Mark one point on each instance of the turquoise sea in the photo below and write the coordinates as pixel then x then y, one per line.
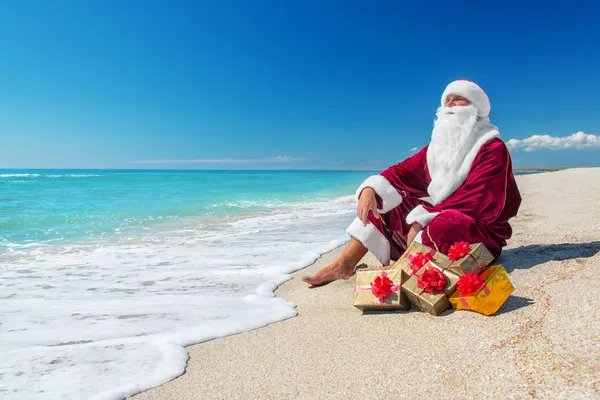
pixel 42 206
pixel 107 275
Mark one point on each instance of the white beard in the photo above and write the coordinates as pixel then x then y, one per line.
pixel 457 136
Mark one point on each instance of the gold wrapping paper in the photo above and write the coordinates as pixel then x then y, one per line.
pixel 500 288
pixel 433 303
pixel 414 248
pixel 467 263
pixel 403 265
pixel 366 300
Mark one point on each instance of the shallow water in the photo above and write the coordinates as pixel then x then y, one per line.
pixel 106 275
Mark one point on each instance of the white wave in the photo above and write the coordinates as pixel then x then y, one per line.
pixel 49 175
pixel 115 318
pixel 72 175
pixel 345 199
pixel 19 175
pixel 248 204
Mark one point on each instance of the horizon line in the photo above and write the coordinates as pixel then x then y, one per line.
pixel 260 169
pixel 180 169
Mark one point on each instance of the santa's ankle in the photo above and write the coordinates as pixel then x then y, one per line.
pixel 345 268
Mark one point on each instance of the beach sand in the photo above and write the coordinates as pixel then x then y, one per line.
pixel 543 343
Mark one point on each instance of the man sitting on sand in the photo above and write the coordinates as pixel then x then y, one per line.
pixel 466 171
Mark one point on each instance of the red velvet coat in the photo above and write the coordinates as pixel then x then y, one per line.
pixel 478 211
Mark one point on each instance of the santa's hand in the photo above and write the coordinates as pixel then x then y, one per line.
pixel 367 202
pixel 412 233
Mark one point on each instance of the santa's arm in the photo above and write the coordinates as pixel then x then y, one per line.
pixel 483 195
pixel 406 179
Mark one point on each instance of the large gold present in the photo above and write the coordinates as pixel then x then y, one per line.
pixel 416 256
pixel 464 257
pixel 380 289
pixel 430 288
pixel 483 293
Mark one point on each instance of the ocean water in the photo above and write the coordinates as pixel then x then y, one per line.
pixel 107 275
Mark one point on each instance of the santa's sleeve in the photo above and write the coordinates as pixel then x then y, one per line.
pixel 406 179
pixel 483 195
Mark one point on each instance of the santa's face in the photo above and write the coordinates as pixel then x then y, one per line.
pixel 452 137
pixel 456 100
pixel 458 133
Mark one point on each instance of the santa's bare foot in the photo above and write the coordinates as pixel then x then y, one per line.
pixel 330 273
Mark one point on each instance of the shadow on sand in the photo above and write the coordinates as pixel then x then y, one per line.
pixel 525 257
pixel 514 303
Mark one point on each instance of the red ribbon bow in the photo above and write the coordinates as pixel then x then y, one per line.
pixel 381 287
pixel 432 280
pixel 469 283
pixel 417 260
pixel 459 250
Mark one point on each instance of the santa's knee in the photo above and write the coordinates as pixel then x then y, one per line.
pixel 449 227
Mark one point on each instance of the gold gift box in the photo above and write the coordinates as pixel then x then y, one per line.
pixel 365 300
pixel 433 303
pixel 403 262
pixel 467 264
pixel 486 302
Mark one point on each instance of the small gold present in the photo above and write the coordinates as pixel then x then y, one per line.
pixel 378 289
pixel 464 257
pixel 430 288
pixel 483 293
pixel 416 256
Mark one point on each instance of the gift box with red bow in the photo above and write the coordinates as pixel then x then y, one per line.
pixel 430 288
pixel 464 257
pixel 378 289
pixel 483 293
pixel 416 256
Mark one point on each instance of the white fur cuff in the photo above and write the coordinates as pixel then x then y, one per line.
pixel 372 239
pixel 420 215
pixel 390 197
pixel 419 237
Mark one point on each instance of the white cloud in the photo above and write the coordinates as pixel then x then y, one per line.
pixel 577 140
pixel 278 159
pixel 414 149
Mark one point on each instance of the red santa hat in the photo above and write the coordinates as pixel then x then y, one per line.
pixel 470 91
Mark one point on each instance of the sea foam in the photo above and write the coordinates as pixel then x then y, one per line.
pixel 109 319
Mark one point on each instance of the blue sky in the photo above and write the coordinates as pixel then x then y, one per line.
pixel 285 84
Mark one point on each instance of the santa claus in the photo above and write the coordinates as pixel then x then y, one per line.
pixel 465 171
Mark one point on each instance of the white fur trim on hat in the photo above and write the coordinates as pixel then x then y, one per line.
pixel 472 92
pixel 390 198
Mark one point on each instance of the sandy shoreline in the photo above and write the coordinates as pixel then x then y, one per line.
pixel 544 342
